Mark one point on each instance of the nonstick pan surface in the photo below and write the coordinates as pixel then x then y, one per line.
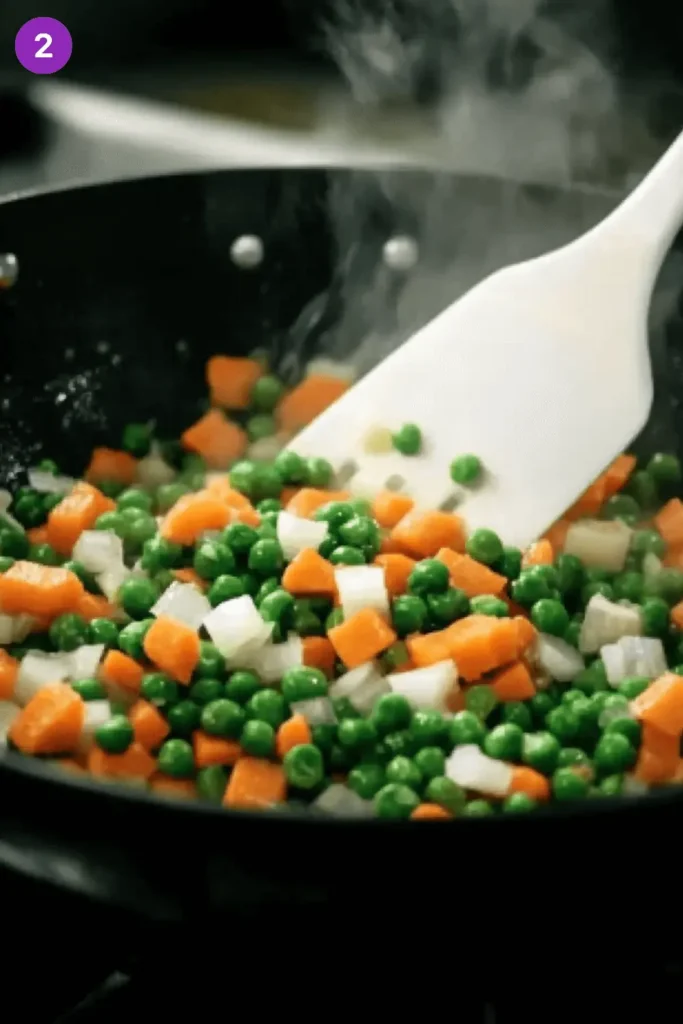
pixel 123 292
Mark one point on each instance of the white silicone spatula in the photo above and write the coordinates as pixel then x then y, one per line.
pixel 542 370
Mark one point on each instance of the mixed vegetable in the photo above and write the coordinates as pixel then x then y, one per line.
pixel 215 619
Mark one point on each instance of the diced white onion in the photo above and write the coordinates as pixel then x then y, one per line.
pixel 47 483
pixel 472 769
pixel 634 787
pixel 38 670
pixel 343 803
pixel 318 711
pixel 426 687
pixel 296 534
pixel 651 566
pixel 15 628
pixel 271 661
pixel 97 712
pixel 362 586
pixel 367 695
pixel 84 662
pixel 612 714
pixel 599 545
pixel 5 502
pixel 98 550
pixel 266 448
pixel 235 626
pixel 184 603
pixel 606 622
pixel 364 484
pixel 559 659
pixel 324 367
pixel 153 470
pixel 110 581
pixel 350 681
pixel 633 656
pixel 8 712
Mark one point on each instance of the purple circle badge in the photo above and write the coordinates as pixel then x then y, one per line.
pixel 43 46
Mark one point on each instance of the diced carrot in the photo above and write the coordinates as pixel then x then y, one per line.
pixel 528 781
pixel 361 637
pixel 173 647
pixel 661 704
pixel 216 439
pixel 658 756
pixel 9 670
pixel 135 763
pixel 188 575
pixel 37 535
pixel 557 534
pixel 214 750
pixel 673 559
pixel 288 494
pixel 308 500
pixel 471 576
pixel 513 683
pixel 590 502
pixel 41 590
pixel 456 700
pixel 427 649
pixel 677 615
pixel 422 534
pixel 339 777
pixel 617 475
pixel 220 487
pixel 50 723
pixel 397 569
pixel 149 725
pixel 308 399
pixel 526 633
pixel 255 784
pixel 431 812
pixel 480 643
pixel 309 574
pixel 231 380
pixel 538 553
pixel 387 546
pixel 669 522
pixel 192 515
pixel 95 606
pixel 318 652
pixel 76 512
pixel 121 670
pixel 110 464
pixel 389 508
pixel 69 764
pixel 184 789
pixel 292 733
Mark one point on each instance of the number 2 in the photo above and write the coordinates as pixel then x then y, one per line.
pixel 42 52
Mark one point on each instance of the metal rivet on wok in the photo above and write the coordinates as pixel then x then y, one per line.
pixel 247 251
pixel 400 252
pixel 9 269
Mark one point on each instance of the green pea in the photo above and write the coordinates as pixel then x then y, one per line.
pixel 250 583
pixel 44 554
pixel 567 784
pixel 89 689
pixel 176 758
pixel 629 586
pixel 447 794
pixel 266 393
pixel 510 563
pixel 133 497
pixel 366 780
pixel 430 762
pixel 206 690
pixel 223 717
pixel 517 713
pixel 277 607
pixel 361 532
pixel 519 803
pixel 225 588
pixel 324 737
pixel 478 809
pixel 430 576
pixel 303 766
pixel 633 687
pixel 648 542
pixel 563 723
pixel 549 616
pixel 258 738
pixel 403 769
pixel 13 543
pixel 664 469
pixel 240 538
pixel 159 689
pixel 213 559
pixel 643 488
pixel 628 727
pixel 394 657
pixel 137 595
pixel 28 509
pixel 570 574
pixel 428 728
pixel 319 472
pixel 6 563
pixel 466 470
pixel 356 732
pixel 115 736
pixel 574 757
pixel 611 785
pixel 466 727
pixel 408 439
pixel 243 477
pixel 594 588
pixel 137 439
pixel 211 662
pixel 399 742
pixel 504 742
pixel 591 679
pixel 480 700
pixel 667 584
pixel 445 608
pixel 267 705
pixel 260 426
pixel 168 494
pixel 541 750
pixel 655 617
pixel 344 554
pixel 267 482
pixel 48 466
pixel 132 636
pixel 624 507
pixel 183 717
pixel 390 713
pixel 408 614
pixel 291 467
pixel 485 546
pixel 614 753
pixel 211 783
pixel 303 683
pixel 486 604
pixel 532 586
pixel 395 800
pixel 266 558
pixel 335 514
pixel 69 631
pixel 137 529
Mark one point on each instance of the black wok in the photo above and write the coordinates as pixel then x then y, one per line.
pixel 144 265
